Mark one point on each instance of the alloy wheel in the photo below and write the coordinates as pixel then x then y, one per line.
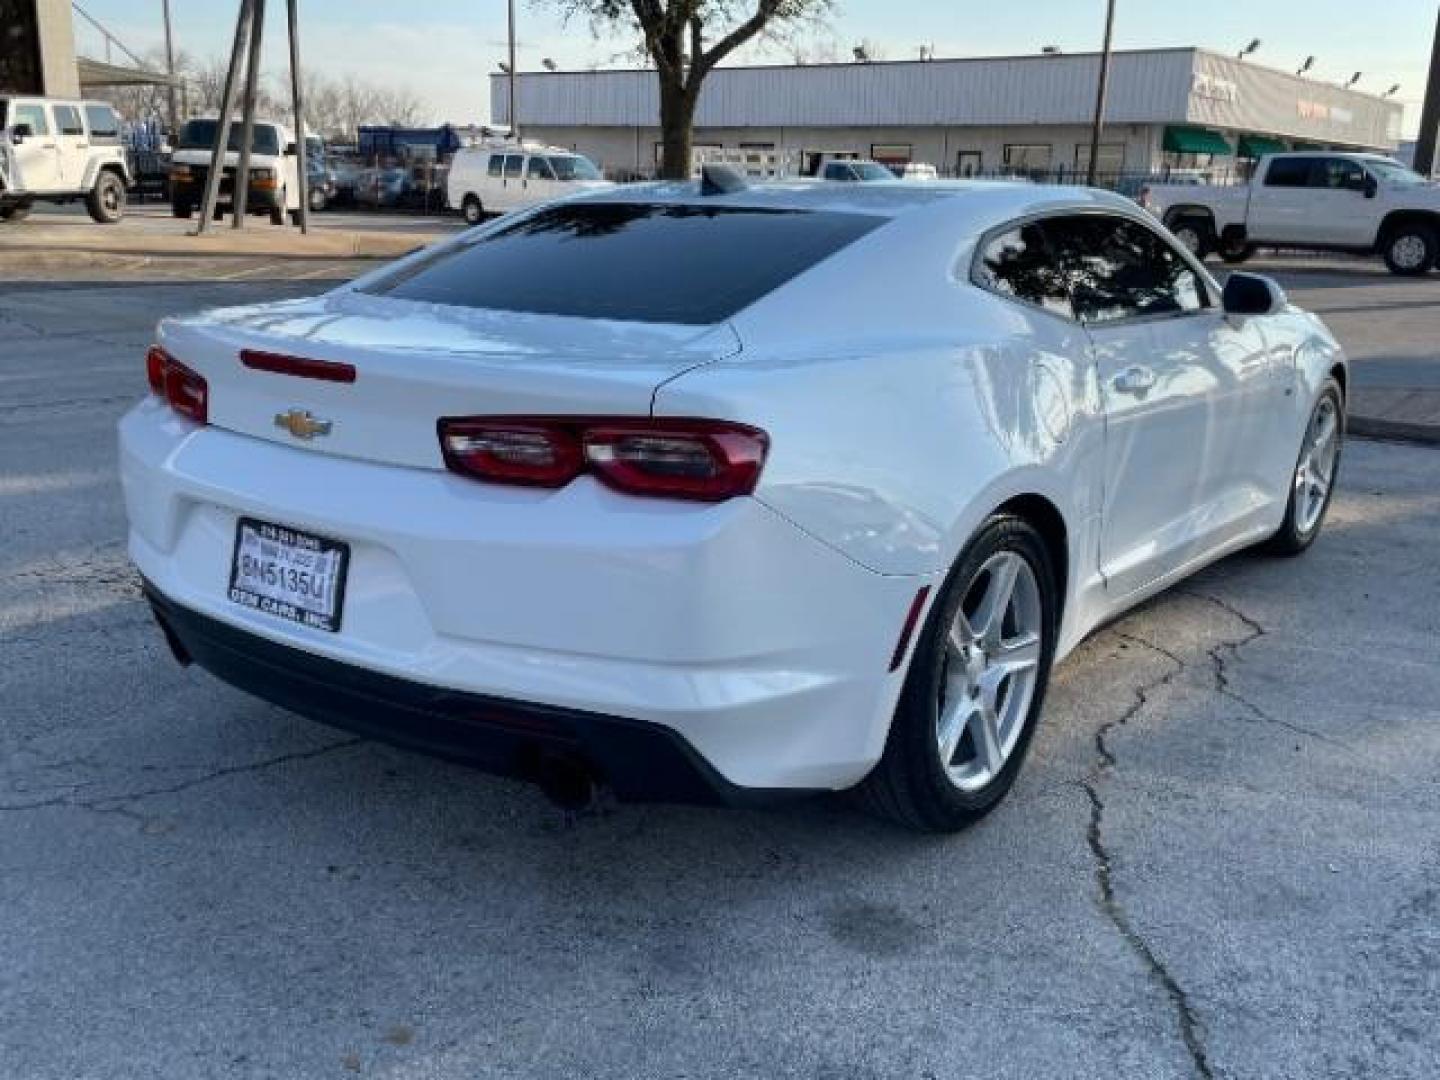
pixel 991 667
pixel 1409 252
pixel 1316 473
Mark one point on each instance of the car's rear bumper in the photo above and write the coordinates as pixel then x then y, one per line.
pixel 638 761
pixel 762 649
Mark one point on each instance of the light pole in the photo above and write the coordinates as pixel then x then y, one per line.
pixel 514 123
pixel 1430 117
pixel 1100 94
pixel 173 119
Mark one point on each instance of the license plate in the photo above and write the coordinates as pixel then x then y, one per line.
pixel 290 574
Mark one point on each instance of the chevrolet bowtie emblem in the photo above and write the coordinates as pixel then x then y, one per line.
pixel 302 424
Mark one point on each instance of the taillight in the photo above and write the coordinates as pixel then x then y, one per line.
pixel 185 390
pixel 708 460
pixel 156 360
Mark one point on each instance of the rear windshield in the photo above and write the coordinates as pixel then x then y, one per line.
pixel 635 262
pixel 200 135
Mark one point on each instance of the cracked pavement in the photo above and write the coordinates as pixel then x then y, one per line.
pixel 1222 859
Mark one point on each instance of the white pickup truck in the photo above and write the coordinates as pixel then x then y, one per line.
pixel 1322 201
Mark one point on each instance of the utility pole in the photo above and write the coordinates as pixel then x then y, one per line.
pixel 514 123
pixel 1101 91
pixel 1430 117
pixel 241 186
pixel 222 126
pixel 173 119
pixel 297 100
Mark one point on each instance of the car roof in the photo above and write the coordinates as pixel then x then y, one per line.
pixel 987 202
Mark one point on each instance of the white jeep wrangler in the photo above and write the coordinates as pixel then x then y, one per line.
pixel 60 150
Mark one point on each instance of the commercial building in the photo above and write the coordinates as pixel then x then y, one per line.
pixel 1168 109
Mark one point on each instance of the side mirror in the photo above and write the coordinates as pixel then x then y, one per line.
pixel 20 132
pixel 290 150
pixel 1253 294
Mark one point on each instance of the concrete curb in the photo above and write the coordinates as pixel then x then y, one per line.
pixel 320 245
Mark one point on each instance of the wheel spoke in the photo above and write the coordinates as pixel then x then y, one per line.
pixel 953 723
pixel 1019 654
pixel 985 731
pixel 990 615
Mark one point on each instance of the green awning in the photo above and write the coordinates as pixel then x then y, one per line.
pixel 1188 140
pixel 1257 146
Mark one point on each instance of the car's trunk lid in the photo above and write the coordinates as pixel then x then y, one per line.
pixel 415 363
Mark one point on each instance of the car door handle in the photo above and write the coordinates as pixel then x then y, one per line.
pixel 1136 380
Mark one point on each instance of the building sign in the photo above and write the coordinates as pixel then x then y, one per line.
pixel 1332 114
pixel 1215 88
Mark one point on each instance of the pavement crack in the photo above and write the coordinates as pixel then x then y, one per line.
pixel 122 803
pixel 1107 764
pixel 1225 653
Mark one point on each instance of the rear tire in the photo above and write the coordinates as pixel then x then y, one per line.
pixel 1235 252
pixel 1196 233
pixel 472 210
pixel 1312 484
pixel 106 201
pixel 1411 250
pixel 960 733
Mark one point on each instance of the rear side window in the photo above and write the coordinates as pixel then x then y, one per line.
pixel 1017 263
pixel 102 121
pixel 1288 172
pixel 34 117
pixel 540 169
pixel 67 119
pixel 1117 269
pixel 636 262
pixel 514 163
pixel 496 164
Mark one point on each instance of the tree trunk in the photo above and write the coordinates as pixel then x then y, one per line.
pixel 677 118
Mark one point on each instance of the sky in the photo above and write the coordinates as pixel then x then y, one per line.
pixel 442 50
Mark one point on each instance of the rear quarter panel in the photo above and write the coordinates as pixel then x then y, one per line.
pixel 904 404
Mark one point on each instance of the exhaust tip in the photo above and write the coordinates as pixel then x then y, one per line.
pixel 569 782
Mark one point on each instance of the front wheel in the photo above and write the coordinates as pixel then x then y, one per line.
pixel 1411 250
pixel 17 212
pixel 975 688
pixel 1313 482
pixel 106 201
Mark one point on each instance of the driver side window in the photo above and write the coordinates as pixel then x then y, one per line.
pixel 1117 269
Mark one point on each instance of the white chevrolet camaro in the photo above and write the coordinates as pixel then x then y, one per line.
pixel 724 493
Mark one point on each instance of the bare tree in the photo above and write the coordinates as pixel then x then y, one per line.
pixel 686 39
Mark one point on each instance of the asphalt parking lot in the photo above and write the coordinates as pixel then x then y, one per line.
pixel 1222 860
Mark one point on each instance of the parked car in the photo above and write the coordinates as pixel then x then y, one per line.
pixel 916 171
pixel 817 506
pixel 498 177
pixel 59 150
pixel 274 171
pixel 320 182
pixel 857 171
pixel 1320 201
pixel 381 186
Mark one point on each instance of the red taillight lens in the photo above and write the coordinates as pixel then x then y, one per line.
pixel 302 367
pixel 515 452
pixel 156 361
pixel 709 460
pixel 186 391
pixel 683 459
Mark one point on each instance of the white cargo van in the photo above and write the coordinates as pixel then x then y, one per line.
pixel 497 177
pixel 274 170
